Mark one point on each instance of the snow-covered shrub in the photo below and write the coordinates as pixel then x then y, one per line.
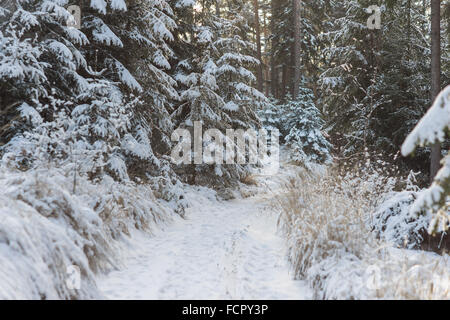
pixel 327 219
pixel 384 273
pixel 94 136
pixel 50 221
pixel 35 253
pixel 44 230
pixel 167 187
pixel 431 129
pixel 393 223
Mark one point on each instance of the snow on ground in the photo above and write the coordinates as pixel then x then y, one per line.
pixel 222 250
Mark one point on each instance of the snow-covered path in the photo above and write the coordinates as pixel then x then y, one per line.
pixel 222 250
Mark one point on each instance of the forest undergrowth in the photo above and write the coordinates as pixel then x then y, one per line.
pixel 48 226
pixel 340 241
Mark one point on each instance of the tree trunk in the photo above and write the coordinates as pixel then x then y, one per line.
pixel 259 74
pixel 409 29
pixel 435 75
pixel 291 72
pixel 273 61
pixel 266 64
pixel 284 81
pixel 217 8
pixel 297 47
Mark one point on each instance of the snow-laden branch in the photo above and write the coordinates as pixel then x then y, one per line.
pixel 432 127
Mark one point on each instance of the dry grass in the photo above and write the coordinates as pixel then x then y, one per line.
pixel 325 218
pixel 55 228
pixel 249 180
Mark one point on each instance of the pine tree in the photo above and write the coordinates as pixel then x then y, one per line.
pixel 234 77
pixel 113 108
pixel 375 83
pixel 348 71
pixel 303 122
pixel 433 128
pixel 216 87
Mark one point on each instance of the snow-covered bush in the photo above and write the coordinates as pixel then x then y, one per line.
pixel 431 129
pixel 384 273
pixel 327 219
pixel 393 223
pixel 88 135
pixel 47 225
pixel 316 218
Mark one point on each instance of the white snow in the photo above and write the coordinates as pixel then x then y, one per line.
pixel 102 33
pixel 222 250
pixel 231 106
pixel 29 113
pixel 394 222
pixel 126 77
pixel 431 128
pixel 119 5
pixel 100 5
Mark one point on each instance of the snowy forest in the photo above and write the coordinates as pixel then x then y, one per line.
pixel 224 149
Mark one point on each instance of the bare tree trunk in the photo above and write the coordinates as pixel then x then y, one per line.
pixel 297 47
pixel 435 75
pixel 409 29
pixel 259 75
pixel 284 81
pixel 217 8
pixel 266 64
pixel 273 62
pixel 291 69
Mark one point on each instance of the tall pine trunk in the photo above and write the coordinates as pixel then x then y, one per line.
pixel 266 63
pixel 273 60
pixel 217 8
pixel 259 74
pixel 435 75
pixel 297 47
